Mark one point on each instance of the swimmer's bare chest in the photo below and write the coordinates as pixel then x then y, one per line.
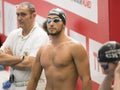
pixel 58 56
pixel 59 67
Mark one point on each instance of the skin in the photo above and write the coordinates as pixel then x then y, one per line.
pixel 117 77
pixel 107 82
pixel 26 22
pixel 63 61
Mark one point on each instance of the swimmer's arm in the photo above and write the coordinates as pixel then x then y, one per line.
pixel 117 82
pixel 107 83
pixel 82 64
pixel 117 77
pixel 36 73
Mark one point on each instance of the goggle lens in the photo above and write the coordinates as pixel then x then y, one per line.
pixel 56 20
pixel 105 66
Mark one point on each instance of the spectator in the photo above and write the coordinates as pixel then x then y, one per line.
pixel 20 48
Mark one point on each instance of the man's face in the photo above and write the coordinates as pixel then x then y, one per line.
pixel 54 25
pixel 24 17
pixel 108 67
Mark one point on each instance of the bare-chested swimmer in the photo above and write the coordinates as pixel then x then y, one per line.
pixel 63 60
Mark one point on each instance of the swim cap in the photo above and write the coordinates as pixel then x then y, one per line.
pixel 109 52
pixel 59 12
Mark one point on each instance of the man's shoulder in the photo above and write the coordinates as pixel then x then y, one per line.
pixel 15 31
pixel 73 44
pixel 39 30
pixel 40 33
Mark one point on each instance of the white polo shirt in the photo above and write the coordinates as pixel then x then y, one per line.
pixel 28 45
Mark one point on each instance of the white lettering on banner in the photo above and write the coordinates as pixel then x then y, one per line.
pixel 88 9
pixel 78 1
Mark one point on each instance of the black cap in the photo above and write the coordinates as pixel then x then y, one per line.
pixel 59 12
pixel 109 52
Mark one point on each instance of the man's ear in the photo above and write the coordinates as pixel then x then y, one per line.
pixel 34 14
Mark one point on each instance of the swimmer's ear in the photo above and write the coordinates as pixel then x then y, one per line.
pixel 63 27
pixel 44 26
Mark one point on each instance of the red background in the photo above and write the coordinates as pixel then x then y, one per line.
pixel 107 28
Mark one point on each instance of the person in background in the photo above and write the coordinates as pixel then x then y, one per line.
pixel 2 39
pixel 20 48
pixel 108 57
pixel 63 59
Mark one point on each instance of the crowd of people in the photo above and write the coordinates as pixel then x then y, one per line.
pixel 47 59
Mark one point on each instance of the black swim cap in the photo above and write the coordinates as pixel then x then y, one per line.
pixel 109 52
pixel 59 12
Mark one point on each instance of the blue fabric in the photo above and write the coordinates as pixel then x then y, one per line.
pixel 6 85
pixel 2 67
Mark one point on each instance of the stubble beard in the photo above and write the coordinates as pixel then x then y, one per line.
pixel 54 33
